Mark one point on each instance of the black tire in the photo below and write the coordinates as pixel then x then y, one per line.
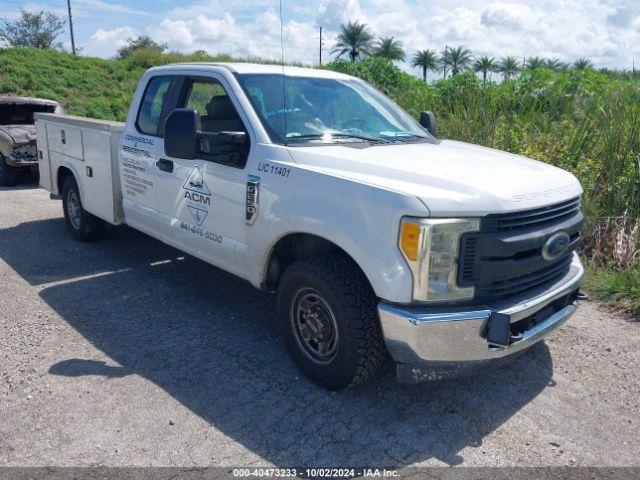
pixel 8 174
pixel 336 283
pixel 82 225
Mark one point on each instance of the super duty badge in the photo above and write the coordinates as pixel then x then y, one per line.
pixel 253 195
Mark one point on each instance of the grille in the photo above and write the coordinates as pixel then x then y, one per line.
pixel 538 217
pixel 467 258
pixel 522 283
pixel 505 257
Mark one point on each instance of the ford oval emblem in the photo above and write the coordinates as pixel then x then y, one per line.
pixel 556 246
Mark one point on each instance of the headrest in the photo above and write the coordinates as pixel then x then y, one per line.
pixel 220 107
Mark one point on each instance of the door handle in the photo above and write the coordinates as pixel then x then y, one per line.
pixel 165 165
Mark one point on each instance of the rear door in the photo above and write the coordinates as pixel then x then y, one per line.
pixel 203 201
pixel 141 147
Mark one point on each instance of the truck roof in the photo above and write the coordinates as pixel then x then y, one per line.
pixel 257 68
pixel 16 100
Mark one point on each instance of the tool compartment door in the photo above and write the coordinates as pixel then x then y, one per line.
pixel 88 148
pixel 44 163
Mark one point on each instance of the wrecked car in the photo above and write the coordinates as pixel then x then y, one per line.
pixel 18 135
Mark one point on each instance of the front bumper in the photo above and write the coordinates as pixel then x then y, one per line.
pixel 22 161
pixel 440 342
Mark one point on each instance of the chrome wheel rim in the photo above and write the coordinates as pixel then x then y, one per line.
pixel 74 209
pixel 314 326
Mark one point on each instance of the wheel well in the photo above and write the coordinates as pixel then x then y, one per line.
pixel 294 247
pixel 63 173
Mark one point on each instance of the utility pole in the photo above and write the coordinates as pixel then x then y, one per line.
pixel 73 40
pixel 444 65
pixel 320 64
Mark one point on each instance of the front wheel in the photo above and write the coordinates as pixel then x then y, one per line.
pixel 82 225
pixel 329 321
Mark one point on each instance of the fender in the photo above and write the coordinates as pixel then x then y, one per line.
pixel 74 172
pixel 340 211
pixel 6 143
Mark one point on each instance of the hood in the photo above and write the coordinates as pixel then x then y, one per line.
pixel 451 178
pixel 20 134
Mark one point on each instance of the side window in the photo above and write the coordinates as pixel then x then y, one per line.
pixel 217 112
pixel 150 111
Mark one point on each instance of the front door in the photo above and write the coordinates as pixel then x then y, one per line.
pixel 140 149
pixel 202 206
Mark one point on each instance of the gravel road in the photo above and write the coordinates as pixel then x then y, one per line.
pixel 127 352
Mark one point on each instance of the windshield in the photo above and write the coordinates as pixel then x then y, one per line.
pixel 325 110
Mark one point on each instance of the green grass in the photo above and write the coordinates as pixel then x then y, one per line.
pixel 85 86
pixel 617 289
pixel 583 121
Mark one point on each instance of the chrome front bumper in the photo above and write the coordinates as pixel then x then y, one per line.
pixel 437 342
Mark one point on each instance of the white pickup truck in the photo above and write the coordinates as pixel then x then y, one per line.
pixel 378 238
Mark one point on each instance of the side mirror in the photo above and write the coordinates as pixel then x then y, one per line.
pixel 181 134
pixel 428 121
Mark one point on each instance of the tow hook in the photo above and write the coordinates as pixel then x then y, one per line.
pixel 582 296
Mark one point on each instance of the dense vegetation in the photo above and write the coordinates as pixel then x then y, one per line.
pixel 582 120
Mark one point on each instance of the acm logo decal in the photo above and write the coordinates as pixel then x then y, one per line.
pixel 198 195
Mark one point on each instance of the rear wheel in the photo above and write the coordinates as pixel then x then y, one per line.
pixel 82 225
pixel 329 321
pixel 8 174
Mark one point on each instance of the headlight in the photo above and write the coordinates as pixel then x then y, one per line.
pixel 430 247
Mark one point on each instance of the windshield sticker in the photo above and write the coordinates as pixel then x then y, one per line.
pixel 281 111
pixel 198 195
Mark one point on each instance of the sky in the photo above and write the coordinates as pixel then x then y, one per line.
pixel 607 31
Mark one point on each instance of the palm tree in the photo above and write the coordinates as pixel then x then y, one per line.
pixel 509 66
pixel 534 63
pixel 485 65
pixel 354 39
pixel 390 48
pixel 553 64
pixel 455 59
pixel 582 63
pixel 427 60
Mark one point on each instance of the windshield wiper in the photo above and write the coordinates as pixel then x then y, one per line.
pixel 330 135
pixel 402 134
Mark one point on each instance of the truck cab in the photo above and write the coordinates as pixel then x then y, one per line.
pixel 379 239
